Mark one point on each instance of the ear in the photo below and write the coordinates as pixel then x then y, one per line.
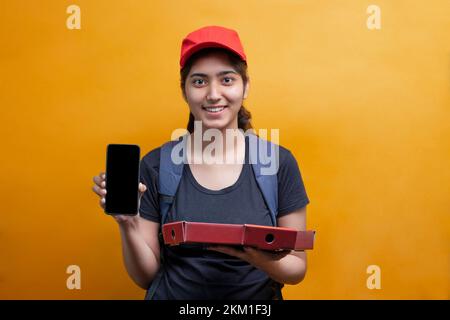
pixel 247 86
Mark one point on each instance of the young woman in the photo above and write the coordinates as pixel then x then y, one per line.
pixel 214 83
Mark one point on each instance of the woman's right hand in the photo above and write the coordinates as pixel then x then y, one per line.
pixel 100 189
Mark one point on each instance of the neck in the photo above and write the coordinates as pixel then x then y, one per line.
pixel 227 146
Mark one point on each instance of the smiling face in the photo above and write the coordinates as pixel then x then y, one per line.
pixel 214 91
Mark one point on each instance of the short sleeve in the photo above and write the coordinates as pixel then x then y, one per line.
pixel 291 190
pixel 148 175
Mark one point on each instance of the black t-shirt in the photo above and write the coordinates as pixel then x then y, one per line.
pixel 190 272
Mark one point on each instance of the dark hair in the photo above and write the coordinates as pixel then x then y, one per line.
pixel 244 116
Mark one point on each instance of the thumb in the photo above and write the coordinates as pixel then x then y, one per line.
pixel 142 187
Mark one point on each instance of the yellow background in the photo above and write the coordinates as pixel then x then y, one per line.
pixel 365 112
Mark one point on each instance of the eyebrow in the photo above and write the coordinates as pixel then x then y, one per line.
pixel 218 74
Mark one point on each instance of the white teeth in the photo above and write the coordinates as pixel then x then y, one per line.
pixel 215 109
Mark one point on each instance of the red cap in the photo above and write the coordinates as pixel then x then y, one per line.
pixel 211 37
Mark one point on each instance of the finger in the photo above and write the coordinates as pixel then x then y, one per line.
pixel 142 187
pixel 99 191
pixel 276 255
pixel 249 249
pixel 215 248
pixel 102 203
pixel 99 181
pixel 285 253
pixel 226 250
pixel 280 254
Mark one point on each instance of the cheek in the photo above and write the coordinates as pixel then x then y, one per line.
pixel 234 95
pixel 194 96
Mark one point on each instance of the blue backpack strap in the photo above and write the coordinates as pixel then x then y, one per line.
pixel 170 174
pixel 261 152
pixel 169 178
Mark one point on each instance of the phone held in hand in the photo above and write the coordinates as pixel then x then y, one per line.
pixel 122 179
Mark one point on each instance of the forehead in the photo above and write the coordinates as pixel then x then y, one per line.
pixel 211 64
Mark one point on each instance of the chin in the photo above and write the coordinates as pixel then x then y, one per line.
pixel 220 124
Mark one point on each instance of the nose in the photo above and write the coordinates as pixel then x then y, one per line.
pixel 213 93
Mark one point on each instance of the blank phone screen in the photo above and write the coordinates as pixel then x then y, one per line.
pixel 122 179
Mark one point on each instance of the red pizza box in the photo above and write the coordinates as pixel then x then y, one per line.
pixel 270 238
pixel 305 240
pixel 198 232
pixel 263 237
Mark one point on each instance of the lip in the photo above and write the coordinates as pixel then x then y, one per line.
pixel 214 114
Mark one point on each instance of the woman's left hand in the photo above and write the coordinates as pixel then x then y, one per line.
pixel 256 257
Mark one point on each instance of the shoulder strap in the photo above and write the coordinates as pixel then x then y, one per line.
pixel 262 153
pixel 169 178
pixel 170 171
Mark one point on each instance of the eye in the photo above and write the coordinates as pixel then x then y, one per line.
pixel 196 83
pixel 230 80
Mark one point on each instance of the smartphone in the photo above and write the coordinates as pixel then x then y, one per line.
pixel 122 179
